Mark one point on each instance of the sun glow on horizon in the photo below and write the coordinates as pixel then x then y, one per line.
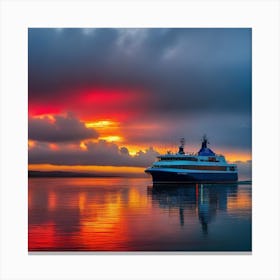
pixel 101 124
pixel 113 138
pixel 108 130
pixel 100 169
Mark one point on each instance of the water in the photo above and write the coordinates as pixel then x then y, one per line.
pixel 120 214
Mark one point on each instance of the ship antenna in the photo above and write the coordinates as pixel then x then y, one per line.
pixel 204 141
pixel 181 148
pixel 182 141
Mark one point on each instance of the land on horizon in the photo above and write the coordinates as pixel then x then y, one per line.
pixel 58 174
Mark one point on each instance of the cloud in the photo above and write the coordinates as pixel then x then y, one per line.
pixel 161 84
pixel 182 69
pixel 105 154
pixel 59 129
pixel 230 132
pixel 100 153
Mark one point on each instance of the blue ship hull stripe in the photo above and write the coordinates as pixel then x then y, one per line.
pixel 159 176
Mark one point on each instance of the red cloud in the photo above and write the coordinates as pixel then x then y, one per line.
pixel 91 103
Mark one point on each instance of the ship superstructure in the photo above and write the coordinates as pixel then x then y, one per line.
pixel 204 166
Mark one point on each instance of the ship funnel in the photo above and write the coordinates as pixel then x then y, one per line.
pixel 205 151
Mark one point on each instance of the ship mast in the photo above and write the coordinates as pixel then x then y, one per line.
pixel 204 142
pixel 181 148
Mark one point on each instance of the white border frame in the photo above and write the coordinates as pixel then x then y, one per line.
pixel 17 16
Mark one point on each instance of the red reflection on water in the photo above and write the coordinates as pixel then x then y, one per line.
pixel 117 214
pixel 41 237
pixel 76 215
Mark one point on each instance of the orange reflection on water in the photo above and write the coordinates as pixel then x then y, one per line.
pixel 82 201
pixel 240 203
pixel 136 200
pixel 81 212
pixel 102 226
pixel 119 214
pixel 52 200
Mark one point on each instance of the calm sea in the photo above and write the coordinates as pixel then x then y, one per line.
pixel 121 214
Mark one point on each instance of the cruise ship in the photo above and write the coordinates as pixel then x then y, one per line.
pixel 204 167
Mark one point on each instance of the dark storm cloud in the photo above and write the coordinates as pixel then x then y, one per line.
pixel 101 153
pixel 62 129
pixel 185 70
pixel 231 131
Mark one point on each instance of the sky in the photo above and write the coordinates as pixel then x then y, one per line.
pixel 111 99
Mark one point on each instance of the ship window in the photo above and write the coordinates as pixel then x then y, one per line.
pixel 179 158
pixel 196 167
pixel 212 159
pixel 191 159
pixel 217 168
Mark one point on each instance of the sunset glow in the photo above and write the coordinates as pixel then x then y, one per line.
pixel 112 138
pixel 113 170
pixel 49 117
pixel 31 144
pixel 102 124
pixel 112 220
pixel 139 140
pixel 124 111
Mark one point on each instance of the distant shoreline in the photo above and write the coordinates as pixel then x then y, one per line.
pixel 66 174
pixel 245 182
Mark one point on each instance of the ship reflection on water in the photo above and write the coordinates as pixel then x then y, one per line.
pixel 202 199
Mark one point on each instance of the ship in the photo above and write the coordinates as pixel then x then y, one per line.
pixel 205 166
